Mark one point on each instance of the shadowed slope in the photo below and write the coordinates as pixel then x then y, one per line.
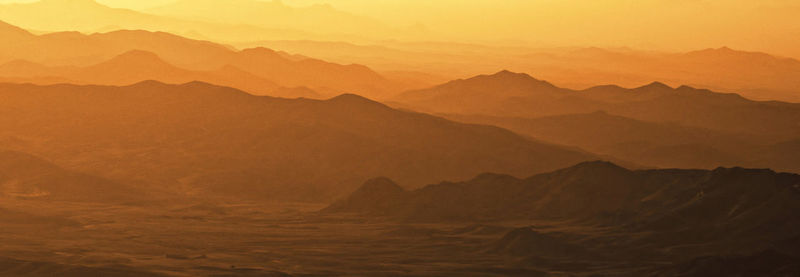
pixel 597 211
pixel 606 193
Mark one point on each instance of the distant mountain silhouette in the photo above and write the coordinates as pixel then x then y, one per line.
pixel 484 94
pixel 755 75
pixel 11 32
pixel 222 140
pixel 56 15
pixel 28 177
pixel 494 96
pixel 314 73
pixel 133 67
pixel 653 125
pixel 137 66
pixel 254 67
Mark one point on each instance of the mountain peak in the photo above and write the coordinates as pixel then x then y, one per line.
pixel 725 49
pixel 139 54
pixel 380 185
pixel 260 51
pixel 138 57
pixel 597 166
pixel 510 74
pixel 506 78
pixel 149 84
pixel 353 99
pixel 374 195
pixel 656 86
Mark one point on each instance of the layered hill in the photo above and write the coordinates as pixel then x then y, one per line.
pixel 137 66
pixel 216 63
pixel 654 125
pixel 89 16
pixel 755 75
pixel 516 94
pixel 599 213
pixel 27 177
pixel 600 192
pixel 666 145
pixel 198 138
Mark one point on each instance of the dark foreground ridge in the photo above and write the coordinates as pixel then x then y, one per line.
pixel 598 192
pixel 675 222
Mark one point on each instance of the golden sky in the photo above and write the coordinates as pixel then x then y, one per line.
pixel 762 25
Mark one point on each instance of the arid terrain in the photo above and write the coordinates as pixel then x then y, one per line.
pixel 382 231
pixel 399 138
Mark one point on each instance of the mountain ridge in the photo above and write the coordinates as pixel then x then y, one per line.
pixel 606 193
pixel 292 148
pixel 656 102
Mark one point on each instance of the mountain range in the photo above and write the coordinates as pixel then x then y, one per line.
pixel 201 139
pixel 137 66
pixel 119 58
pixel 89 16
pixel 600 213
pixel 594 192
pixel 653 125
pixel 755 75
pixel 517 94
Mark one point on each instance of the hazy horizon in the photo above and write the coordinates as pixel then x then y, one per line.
pixel 765 26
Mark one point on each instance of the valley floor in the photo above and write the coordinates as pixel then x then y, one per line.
pixel 201 239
